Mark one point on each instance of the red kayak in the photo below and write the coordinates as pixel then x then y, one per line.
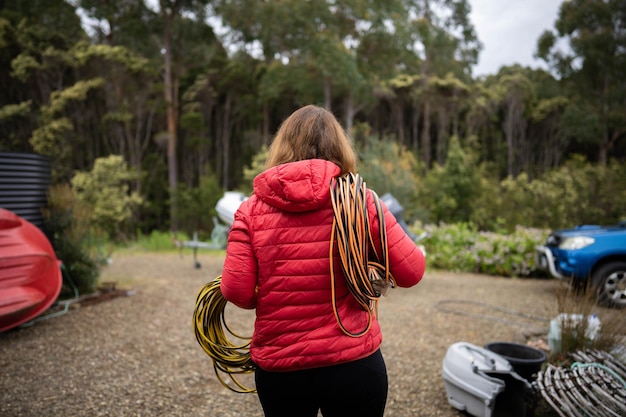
pixel 30 273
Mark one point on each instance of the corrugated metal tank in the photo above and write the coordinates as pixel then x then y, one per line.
pixel 24 182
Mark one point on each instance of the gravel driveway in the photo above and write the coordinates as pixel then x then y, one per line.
pixel 137 355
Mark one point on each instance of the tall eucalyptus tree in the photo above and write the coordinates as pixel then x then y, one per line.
pixel 441 33
pixel 319 40
pixel 594 66
pixel 158 35
pixel 516 93
pixel 125 51
pixel 548 136
pixel 171 11
pixel 547 117
pixel 143 106
pixel 450 95
pixel 42 102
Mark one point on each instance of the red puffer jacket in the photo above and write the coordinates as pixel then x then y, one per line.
pixel 277 261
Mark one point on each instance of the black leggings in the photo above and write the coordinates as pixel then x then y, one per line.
pixel 357 388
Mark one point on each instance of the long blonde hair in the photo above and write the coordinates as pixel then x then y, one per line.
pixel 312 132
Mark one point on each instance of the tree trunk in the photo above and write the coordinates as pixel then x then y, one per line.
pixel 171 98
pixel 349 114
pixel 442 135
pixel 426 135
pixel 508 132
pixel 226 141
pixel 415 129
pixel 327 94
pixel 604 150
pixel 266 123
pixel 426 140
pixel 397 117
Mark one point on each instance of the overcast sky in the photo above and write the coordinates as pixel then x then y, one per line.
pixel 509 30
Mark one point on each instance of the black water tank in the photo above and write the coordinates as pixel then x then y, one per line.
pixel 525 360
pixel 24 182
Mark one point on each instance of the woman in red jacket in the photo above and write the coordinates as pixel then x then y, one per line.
pixel 278 262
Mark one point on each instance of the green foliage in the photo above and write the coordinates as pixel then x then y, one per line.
pixel 513 85
pixel 449 247
pixel 581 121
pixel 450 190
pixel 23 65
pixel 256 167
pixel 156 241
pixel 503 205
pixel 575 193
pixel 105 191
pixel 388 167
pixel 15 110
pixel 546 107
pixel 276 80
pixel 155 192
pixel 197 205
pixel 52 136
pixel 85 51
pixel 565 191
pixel 461 247
pixel 593 67
pixel 80 247
pixel 509 254
pixel 49 138
pixel 77 92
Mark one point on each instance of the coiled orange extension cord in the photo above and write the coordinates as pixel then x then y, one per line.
pixel 366 271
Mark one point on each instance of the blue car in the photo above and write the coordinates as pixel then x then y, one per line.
pixel 589 256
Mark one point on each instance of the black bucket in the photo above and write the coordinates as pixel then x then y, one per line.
pixel 525 360
pixel 24 182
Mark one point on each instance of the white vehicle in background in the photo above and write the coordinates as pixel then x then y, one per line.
pixel 226 208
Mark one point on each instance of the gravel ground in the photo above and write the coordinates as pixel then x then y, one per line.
pixel 137 355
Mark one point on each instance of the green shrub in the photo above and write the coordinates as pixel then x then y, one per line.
pixel 450 190
pixel 449 247
pixel 257 165
pixel 79 245
pixel 388 167
pixel 511 254
pixel 576 193
pixel 502 206
pixel 460 247
pixel 196 206
pixel 105 191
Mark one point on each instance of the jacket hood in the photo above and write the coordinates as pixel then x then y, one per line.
pixel 296 186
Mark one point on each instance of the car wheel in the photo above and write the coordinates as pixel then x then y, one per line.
pixel 609 282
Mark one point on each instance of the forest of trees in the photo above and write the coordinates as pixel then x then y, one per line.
pixel 190 90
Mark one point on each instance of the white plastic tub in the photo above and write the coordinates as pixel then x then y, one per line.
pixel 484 384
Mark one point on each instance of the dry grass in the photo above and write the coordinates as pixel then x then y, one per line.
pixel 577 307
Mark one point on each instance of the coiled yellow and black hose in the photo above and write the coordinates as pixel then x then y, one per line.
pixel 365 269
pixel 210 329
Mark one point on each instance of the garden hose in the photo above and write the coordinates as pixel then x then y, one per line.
pixel 594 385
pixel 366 271
pixel 209 325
